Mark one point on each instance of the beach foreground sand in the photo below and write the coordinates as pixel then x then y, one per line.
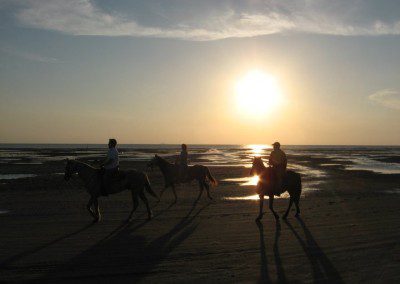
pixel 349 231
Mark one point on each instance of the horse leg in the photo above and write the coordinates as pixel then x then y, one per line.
pixel 260 214
pixel 144 198
pixel 296 202
pixel 201 186
pixel 271 206
pixel 135 202
pixel 162 191
pixel 288 210
pixel 174 192
pixel 97 210
pixel 208 189
pixel 89 207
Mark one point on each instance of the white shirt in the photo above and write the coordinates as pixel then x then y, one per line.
pixel 112 155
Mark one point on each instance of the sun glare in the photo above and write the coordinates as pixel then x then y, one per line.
pixel 257 93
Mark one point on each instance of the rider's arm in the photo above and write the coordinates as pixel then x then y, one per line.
pixel 107 161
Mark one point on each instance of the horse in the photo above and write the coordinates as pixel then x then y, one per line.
pixel 132 180
pixel 291 183
pixel 171 175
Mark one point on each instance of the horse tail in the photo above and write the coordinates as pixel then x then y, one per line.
pixel 213 181
pixel 148 187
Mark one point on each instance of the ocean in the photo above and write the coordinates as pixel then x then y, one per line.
pixel 377 159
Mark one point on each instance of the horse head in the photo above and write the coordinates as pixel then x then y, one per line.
pixel 153 162
pixel 257 167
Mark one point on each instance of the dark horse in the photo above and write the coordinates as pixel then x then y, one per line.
pixel 171 175
pixel 132 180
pixel 291 184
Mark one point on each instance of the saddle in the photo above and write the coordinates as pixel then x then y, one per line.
pixel 108 178
pixel 181 173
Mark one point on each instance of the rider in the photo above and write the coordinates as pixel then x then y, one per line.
pixel 110 165
pixel 278 161
pixel 183 162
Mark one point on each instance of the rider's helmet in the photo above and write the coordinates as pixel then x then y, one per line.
pixel 112 142
pixel 277 145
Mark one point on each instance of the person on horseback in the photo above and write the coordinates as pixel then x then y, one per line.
pixel 110 165
pixel 183 163
pixel 278 162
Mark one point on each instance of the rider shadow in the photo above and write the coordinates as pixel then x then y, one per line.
pixel 128 222
pixel 126 254
pixel 264 274
pixel 323 269
pixel 26 253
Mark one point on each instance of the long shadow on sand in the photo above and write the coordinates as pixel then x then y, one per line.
pixel 26 253
pixel 126 255
pixel 264 274
pixel 323 269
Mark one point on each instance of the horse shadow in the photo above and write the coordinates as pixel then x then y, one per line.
pixel 14 258
pixel 264 274
pixel 125 254
pixel 322 267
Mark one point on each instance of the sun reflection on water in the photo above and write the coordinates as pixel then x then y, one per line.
pixel 258 149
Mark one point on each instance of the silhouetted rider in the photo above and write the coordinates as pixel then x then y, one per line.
pixel 110 165
pixel 278 162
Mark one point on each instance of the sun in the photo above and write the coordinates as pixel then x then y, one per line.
pixel 257 93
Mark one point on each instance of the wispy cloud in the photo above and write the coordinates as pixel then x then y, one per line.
pixel 210 20
pixel 389 98
pixel 29 55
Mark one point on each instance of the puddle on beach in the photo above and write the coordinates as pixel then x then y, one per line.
pixel 379 168
pixel 15 176
pixel 393 191
pixel 244 181
pixel 253 197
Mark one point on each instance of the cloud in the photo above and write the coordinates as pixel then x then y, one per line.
pixel 211 20
pixel 388 97
pixel 29 55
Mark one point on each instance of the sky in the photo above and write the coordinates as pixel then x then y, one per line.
pixel 81 71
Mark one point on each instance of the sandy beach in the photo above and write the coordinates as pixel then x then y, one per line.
pixel 348 231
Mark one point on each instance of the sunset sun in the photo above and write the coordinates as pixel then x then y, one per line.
pixel 257 93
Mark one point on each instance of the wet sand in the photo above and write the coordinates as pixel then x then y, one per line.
pixel 349 231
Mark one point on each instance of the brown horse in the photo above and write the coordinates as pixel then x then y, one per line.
pixel 171 175
pixel 291 183
pixel 132 180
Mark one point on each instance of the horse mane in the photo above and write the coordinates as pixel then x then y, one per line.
pixel 163 160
